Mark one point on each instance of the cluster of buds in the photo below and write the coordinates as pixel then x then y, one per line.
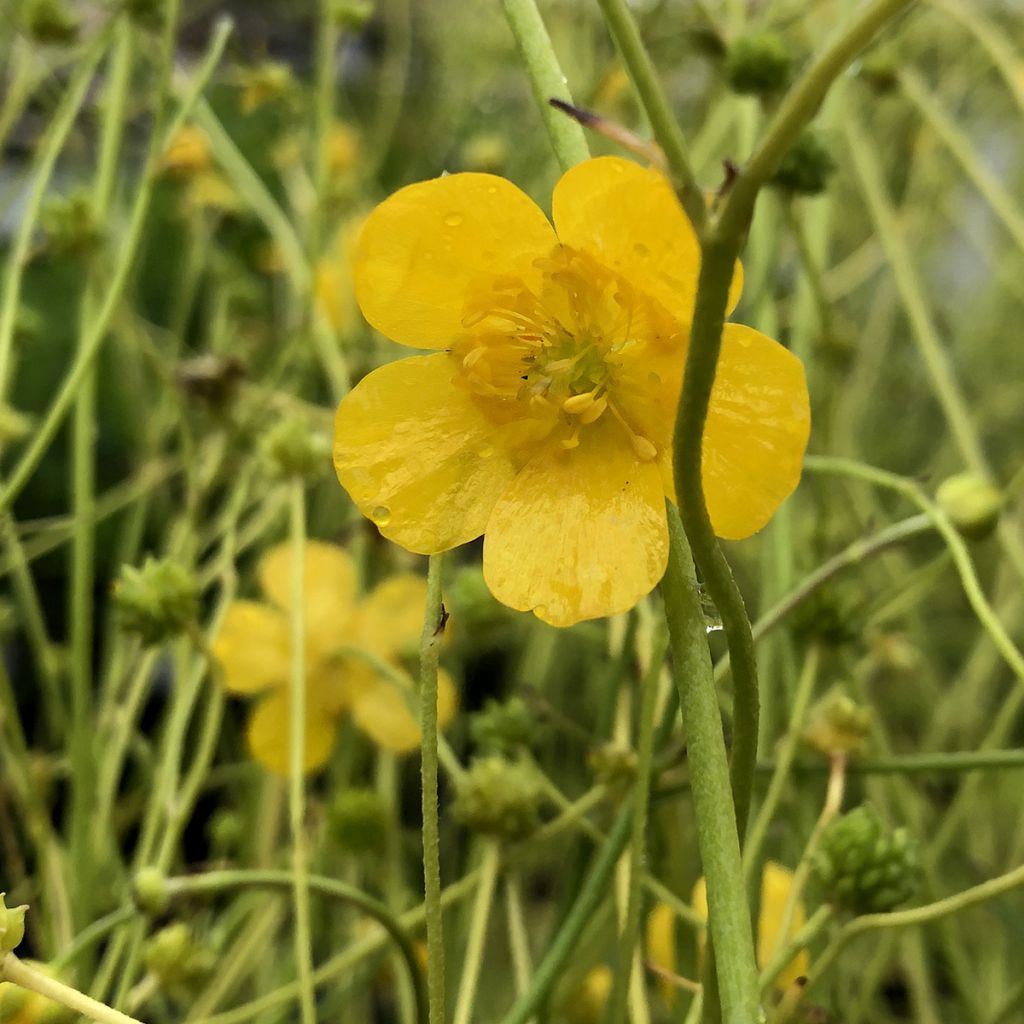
pixel 158 601
pixel 806 168
pixel 758 64
pixel 499 798
pixel 863 867
pixel 174 958
pixel 614 766
pixel 503 727
pixel 70 224
pixel 358 821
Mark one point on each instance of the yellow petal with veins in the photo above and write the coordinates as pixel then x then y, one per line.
pixel 418 456
pixel 580 534
pixel 628 217
pixel 758 424
pixel 426 248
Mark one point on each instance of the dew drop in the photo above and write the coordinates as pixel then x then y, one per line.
pixel 453 220
pixel 492 190
pixel 381 515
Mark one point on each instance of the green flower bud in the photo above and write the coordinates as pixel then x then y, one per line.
pixel 158 601
pixel 352 14
pixel 806 168
pixel 613 765
pixel 758 64
pixel 358 821
pixel 50 22
pixel 174 957
pixel 294 449
pixel 70 224
pixel 837 724
pixel 226 831
pixel 150 891
pixel 499 798
pixel 864 868
pixel 12 925
pixel 503 728
pixel 972 504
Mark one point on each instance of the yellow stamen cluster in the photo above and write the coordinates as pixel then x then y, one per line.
pixel 553 355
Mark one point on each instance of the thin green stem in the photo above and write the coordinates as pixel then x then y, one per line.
pixel 783 956
pixel 19 973
pixel 547 80
pixel 430 641
pixel 472 958
pixel 518 937
pixel 624 31
pixel 297 754
pixel 627 977
pixel 717 837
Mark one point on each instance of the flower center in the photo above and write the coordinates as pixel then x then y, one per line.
pixel 558 357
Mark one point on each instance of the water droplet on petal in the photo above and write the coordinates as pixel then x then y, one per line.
pixel 453 220
pixel 492 190
pixel 381 515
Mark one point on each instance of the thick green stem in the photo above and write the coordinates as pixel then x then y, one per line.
pixel 433 627
pixel 717 837
pixel 547 80
pixel 717 264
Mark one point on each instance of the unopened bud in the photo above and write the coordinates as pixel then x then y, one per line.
pixel 70 224
pixel 837 724
pixel 758 64
pixel 503 727
pixel 12 925
pixel 972 504
pixel 294 449
pixel 150 891
pixel 612 765
pixel 806 168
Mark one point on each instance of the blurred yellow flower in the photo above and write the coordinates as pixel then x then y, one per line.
pixel 188 153
pixel 263 84
pixel 342 149
pixel 334 293
pixel 776 885
pixel 253 649
pixel 661 946
pixel 588 1001
pixel 20 1006
pixel 544 417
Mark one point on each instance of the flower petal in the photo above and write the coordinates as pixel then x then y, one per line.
pixel 757 429
pixel 391 617
pixel 418 456
pixel 329 589
pixel 776 885
pixel 424 248
pixel 252 647
pixel 384 713
pixel 628 217
pixel 580 534
pixel 269 732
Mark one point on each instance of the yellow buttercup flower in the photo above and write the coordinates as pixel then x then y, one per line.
pixel 776 885
pixel 253 649
pixel 544 418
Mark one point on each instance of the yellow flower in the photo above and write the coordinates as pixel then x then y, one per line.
pixel 544 418
pixel 661 946
pixel 342 144
pixel 591 997
pixel 776 885
pixel 334 277
pixel 187 154
pixel 253 649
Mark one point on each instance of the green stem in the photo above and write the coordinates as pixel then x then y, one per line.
pixel 642 73
pixel 473 956
pixel 718 261
pixel 626 977
pixel 15 971
pixel 565 944
pixel 717 837
pixel 433 627
pixel 547 81
pixel 221 881
pixel 787 752
pixel 783 956
pixel 297 755
pixel 518 938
